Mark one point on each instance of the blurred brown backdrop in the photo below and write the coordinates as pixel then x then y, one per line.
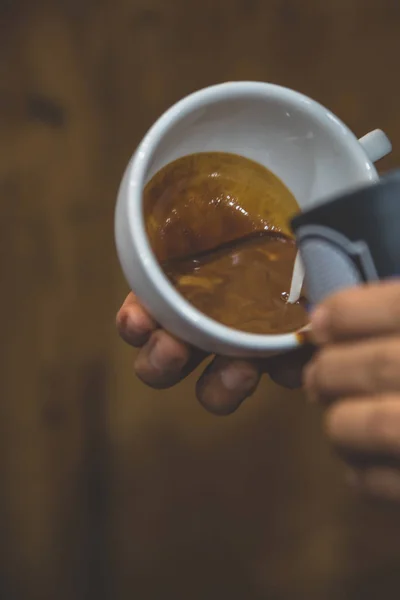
pixel 107 489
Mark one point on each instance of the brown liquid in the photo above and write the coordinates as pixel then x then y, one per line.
pixel 218 224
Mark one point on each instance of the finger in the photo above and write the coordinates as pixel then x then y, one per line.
pixel 226 383
pixel 379 482
pixel 287 369
pixel 164 361
pixel 366 367
pixel 134 324
pixel 366 426
pixel 358 313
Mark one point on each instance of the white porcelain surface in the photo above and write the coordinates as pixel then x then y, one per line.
pixel 309 148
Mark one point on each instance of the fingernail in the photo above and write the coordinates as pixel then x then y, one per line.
pixel 160 361
pixel 234 379
pixel 320 325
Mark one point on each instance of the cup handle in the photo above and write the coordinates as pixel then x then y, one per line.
pixel 376 145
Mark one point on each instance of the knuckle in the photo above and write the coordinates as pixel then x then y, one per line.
pixel 158 337
pixel 134 333
pixel 214 402
pixel 161 361
pixel 383 426
pixel 176 353
pixel 156 383
pixel 142 368
pixel 333 422
pixel 385 365
pixel 124 328
pixel 323 382
pixel 142 373
pixel 157 380
pixel 338 308
pixel 376 423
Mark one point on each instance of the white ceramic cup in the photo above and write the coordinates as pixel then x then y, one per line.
pixel 302 142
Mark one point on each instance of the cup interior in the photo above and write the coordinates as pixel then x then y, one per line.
pixel 300 141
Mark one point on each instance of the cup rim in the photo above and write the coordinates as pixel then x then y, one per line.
pixel 136 181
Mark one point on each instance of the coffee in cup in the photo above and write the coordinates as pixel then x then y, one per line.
pixel 218 224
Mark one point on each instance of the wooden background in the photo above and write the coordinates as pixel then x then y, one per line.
pixel 109 490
